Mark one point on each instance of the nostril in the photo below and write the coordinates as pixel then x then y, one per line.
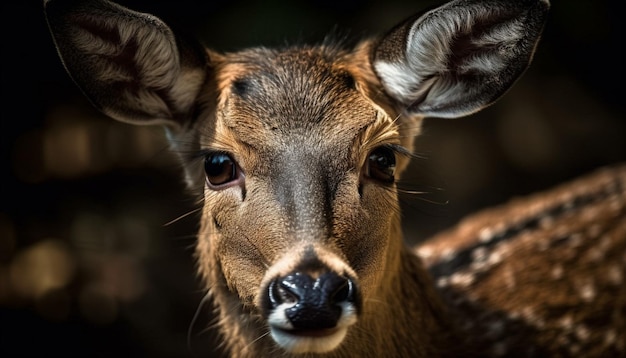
pixel 279 293
pixel 342 293
pixel 336 288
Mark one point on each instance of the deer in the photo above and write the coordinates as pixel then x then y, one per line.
pixel 296 152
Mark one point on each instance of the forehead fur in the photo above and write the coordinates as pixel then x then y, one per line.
pixel 289 93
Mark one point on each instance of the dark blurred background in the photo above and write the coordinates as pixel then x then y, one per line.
pixel 89 265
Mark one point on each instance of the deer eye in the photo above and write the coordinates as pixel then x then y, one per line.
pixel 381 165
pixel 220 169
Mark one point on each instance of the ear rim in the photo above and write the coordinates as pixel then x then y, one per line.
pixel 191 60
pixel 389 59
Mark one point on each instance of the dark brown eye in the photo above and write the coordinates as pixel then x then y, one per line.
pixel 220 169
pixel 381 165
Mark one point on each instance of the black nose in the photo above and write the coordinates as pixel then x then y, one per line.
pixel 311 303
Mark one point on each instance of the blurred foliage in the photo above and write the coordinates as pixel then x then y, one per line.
pixel 88 265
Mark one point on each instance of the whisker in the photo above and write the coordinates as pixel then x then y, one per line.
pixel 421 196
pixel 182 216
pixel 258 338
pixel 206 298
pixel 412 192
pixel 211 326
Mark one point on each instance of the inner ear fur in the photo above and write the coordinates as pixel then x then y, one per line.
pixel 458 58
pixel 129 64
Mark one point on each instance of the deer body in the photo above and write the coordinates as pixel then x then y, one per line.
pixel 542 275
pixel 296 152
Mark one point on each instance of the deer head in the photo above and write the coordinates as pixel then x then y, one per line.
pixel 297 151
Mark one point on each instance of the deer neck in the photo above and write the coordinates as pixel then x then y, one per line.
pixel 412 309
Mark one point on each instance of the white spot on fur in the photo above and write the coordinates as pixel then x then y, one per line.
pixel 615 275
pixel 485 235
pixel 566 322
pixel 479 254
pixel 587 292
pixel 495 258
pixel 425 252
pixel 443 282
pixel 448 254
pixel 582 332
pixel 557 272
pixel 462 279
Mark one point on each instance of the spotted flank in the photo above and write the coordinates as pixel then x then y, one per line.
pixel 551 266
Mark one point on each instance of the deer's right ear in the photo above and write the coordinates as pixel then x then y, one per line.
pixel 460 57
pixel 129 64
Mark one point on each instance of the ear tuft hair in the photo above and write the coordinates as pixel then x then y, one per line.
pixel 129 64
pixel 460 57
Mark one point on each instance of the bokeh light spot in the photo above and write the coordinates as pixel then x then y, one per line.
pixel 47 265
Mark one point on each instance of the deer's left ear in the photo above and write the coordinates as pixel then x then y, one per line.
pixel 460 57
pixel 130 65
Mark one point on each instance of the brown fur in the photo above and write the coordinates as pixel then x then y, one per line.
pixel 544 274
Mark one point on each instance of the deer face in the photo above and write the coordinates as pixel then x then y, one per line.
pixel 299 198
